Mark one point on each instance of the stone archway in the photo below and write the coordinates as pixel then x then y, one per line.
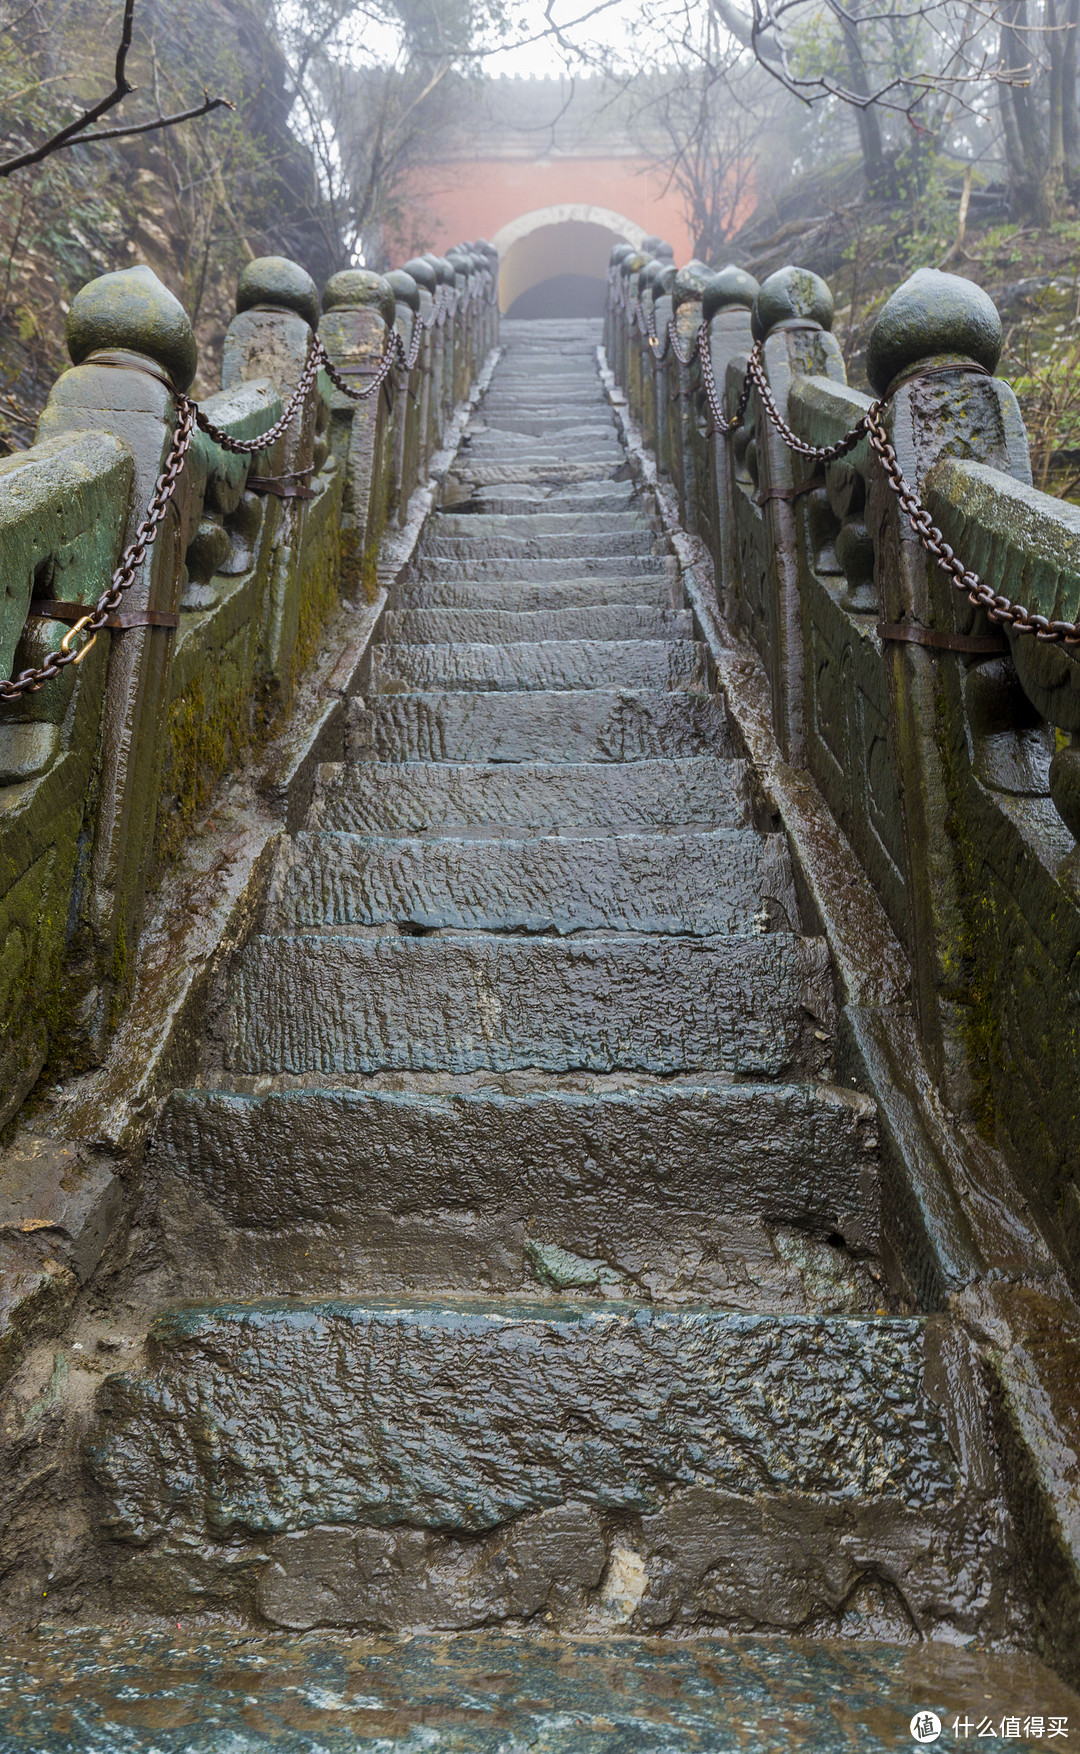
pixel 554 260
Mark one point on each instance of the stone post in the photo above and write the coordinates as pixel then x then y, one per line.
pixel 459 380
pixel 612 338
pixel 725 311
pixel 663 311
pixel 491 294
pixel 646 411
pixel 792 315
pixel 444 348
pixel 131 342
pixel 407 407
pixel 940 325
pixel 686 295
pixel 625 280
pixel 424 277
pixel 277 305
pixel 635 341
pixel 359 310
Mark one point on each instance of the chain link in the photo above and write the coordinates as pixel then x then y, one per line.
pixel 979 594
pixel 29 681
pixel 189 417
pixel 870 426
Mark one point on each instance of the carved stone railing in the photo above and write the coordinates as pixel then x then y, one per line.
pixel 953 773
pixel 104 768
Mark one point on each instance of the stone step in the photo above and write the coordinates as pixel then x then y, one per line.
pixel 597 590
pixel 431 568
pixel 692 884
pixel 541 523
pixel 519 423
pixel 623 539
pixel 491 449
pixel 513 501
pixel 487 472
pixel 385 1463
pixel 496 626
pixel 490 1692
pixel 433 798
pixel 399 668
pixel 338 1003
pixel 547 404
pixel 582 725
pixel 606 1171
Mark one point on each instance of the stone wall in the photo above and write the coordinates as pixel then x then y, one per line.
pixel 104 769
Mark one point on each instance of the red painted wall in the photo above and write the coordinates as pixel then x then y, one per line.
pixel 472 198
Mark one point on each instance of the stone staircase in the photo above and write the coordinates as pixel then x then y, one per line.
pixel 517 1256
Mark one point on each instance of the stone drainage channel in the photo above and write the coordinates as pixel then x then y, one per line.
pixel 513 1263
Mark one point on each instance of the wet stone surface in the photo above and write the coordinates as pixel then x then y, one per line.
pixel 549 664
pixel 271 1418
pixel 462 1003
pixel 695 885
pixel 95 1692
pixel 421 798
pixel 514 1255
pixel 596 1164
pixel 542 725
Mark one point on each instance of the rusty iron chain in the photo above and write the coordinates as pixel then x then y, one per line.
pixel 998 608
pixel 755 370
pixel 189 417
pixel 979 594
pixel 708 377
pixel 251 447
pixel 29 681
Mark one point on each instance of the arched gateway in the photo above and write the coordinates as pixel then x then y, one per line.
pixel 553 261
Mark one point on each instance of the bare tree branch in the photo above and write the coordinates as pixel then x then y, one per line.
pixel 75 133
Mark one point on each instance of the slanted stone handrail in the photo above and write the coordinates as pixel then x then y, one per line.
pixel 952 772
pixel 104 769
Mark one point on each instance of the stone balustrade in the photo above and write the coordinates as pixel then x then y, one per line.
pixel 953 773
pixel 104 769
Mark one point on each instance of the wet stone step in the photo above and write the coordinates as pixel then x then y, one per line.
pixel 494 447
pixel 495 626
pixel 518 424
pixel 490 1692
pixel 555 402
pixel 541 664
pixel 430 568
pixel 542 522
pixel 393 1463
pixel 595 1172
pixel 558 477
pixel 695 884
pixel 432 798
pixel 658 590
pixel 461 1416
pixel 580 725
pixel 476 547
pixel 513 501
pixel 333 1003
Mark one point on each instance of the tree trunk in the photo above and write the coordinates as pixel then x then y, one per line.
pixel 866 120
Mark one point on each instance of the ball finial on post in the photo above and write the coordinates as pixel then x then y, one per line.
pixel 791 295
pixel 728 286
pixel 933 316
pixel 275 280
pixel 132 310
pixel 359 287
pixel 690 283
